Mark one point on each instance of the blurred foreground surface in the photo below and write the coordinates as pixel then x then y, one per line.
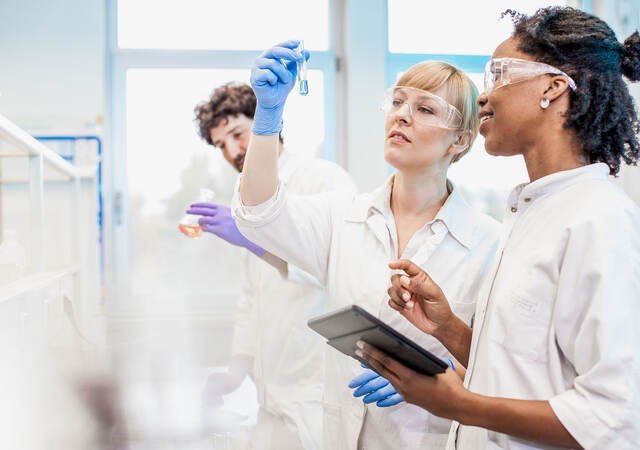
pixel 144 392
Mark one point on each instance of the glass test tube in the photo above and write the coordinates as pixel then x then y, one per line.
pixel 302 71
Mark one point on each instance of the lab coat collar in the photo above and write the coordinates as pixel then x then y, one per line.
pixel 557 181
pixel 376 211
pixel 374 202
pixel 381 199
pixel 455 214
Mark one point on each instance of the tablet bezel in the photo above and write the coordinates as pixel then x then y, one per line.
pixel 344 327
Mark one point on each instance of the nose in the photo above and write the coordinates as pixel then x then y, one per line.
pixel 404 113
pixel 482 99
pixel 232 146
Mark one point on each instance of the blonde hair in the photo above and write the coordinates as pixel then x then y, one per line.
pixel 461 92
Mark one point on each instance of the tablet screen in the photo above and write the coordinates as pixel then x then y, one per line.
pixel 344 327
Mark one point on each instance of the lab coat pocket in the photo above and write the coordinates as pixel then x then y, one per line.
pixel 522 325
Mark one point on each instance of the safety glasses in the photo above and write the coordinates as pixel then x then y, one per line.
pixel 424 107
pixel 502 71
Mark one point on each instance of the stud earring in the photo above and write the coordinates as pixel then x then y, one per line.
pixel 544 103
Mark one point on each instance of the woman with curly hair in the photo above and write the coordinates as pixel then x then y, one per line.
pixel 553 358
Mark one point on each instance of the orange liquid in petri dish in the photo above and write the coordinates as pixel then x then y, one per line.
pixel 192 231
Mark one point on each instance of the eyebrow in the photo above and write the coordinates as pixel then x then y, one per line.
pixel 429 98
pixel 231 131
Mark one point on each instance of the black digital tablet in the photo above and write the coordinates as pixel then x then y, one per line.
pixel 344 327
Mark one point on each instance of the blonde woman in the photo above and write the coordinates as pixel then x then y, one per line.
pixel 347 240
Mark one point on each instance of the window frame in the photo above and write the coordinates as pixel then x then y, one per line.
pixel 120 60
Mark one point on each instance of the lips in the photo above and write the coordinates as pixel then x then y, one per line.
pixel 398 136
pixel 484 116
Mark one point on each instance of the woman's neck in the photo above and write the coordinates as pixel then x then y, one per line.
pixel 417 195
pixel 554 152
pixel 415 201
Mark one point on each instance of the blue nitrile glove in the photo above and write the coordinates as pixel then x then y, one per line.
pixel 449 361
pixel 273 75
pixel 378 389
pixel 375 389
pixel 217 219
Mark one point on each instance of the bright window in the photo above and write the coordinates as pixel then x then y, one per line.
pixel 221 25
pixel 161 131
pixel 452 27
pixel 166 57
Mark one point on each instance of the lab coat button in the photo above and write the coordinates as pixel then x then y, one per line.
pixel 527 200
pixel 514 209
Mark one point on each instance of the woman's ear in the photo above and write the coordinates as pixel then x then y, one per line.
pixel 462 141
pixel 557 86
pixel 460 145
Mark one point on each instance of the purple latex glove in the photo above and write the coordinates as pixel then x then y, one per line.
pixel 217 219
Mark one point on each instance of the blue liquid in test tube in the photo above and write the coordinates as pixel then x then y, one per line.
pixel 304 87
pixel 302 71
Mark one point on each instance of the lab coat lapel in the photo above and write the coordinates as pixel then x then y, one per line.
pixel 370 209
pixel 378 226
pixel 422 256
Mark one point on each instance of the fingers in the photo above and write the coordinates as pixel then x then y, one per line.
pixel 271 71
pixel 409 267
pixel 208 227
pixel 379 394
pixel 363 378
pixel 379 361
pixel 263 77
pixel 283 50
pixel 204 205
pixel 399 297
pixel 372 386
pixel 416 280
pixel 390 400
pixel 277 64
pixel 289 43
pixel 203 210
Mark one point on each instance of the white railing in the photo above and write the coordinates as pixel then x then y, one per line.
pixel 28 167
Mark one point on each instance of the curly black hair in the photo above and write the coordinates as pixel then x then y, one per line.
pixel 232 99
pixel 601 110
pixel 229 100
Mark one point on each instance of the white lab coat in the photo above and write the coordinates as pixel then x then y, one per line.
pixel 346 242
pixel 558 318
pixel 270 326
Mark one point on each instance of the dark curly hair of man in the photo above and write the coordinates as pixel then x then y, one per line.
pixel 229 100
pixel 601 111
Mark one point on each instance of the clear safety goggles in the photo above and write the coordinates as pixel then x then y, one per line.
pixel 424 107
pixel 502 71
